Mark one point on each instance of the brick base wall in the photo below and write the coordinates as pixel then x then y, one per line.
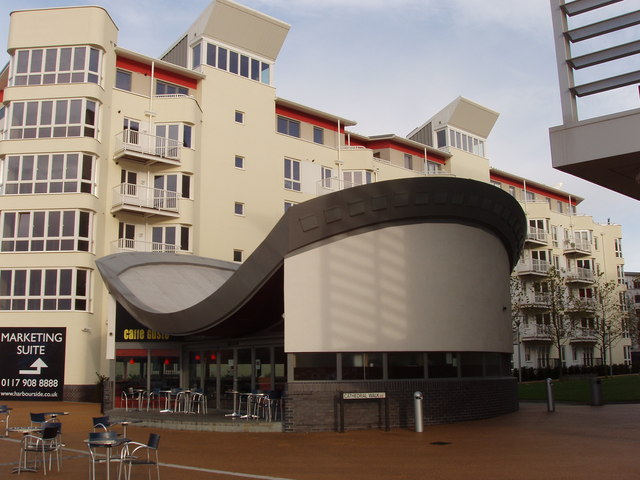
pixel 80 393
pixel 314 407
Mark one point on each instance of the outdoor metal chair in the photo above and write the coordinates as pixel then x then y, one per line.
pixel 135 453
pixel 101 423
pixel 47 442
pixel 93 455
pixel 6 413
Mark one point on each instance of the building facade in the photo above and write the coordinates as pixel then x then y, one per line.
pixel 108 151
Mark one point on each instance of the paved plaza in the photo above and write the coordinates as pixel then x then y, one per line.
pixel 573 442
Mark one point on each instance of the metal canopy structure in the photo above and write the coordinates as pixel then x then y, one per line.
pixel 603 150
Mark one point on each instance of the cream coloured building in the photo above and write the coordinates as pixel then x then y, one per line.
pixel 194 156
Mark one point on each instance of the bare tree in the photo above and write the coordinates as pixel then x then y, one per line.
pixel 612 320
pixel 560 325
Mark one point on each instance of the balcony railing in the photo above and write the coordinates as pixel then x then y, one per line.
pixel 535 300
pixel 147 147
pixel 537 235
pixel 583 334
pixel 534 266
pixel 535 332
pixel 579 274
pixel 577 246
pixel 128 196
pixel 131 245
pixel 582 305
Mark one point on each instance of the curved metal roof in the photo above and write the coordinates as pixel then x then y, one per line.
pixel 185 295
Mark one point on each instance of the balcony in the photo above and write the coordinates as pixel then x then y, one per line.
pixel 536 300
pixel 131 245
pixel 583 335
pixel 535 333
pixel 332 184
pixel 537 236
pixel 582 305
pixel 145 200
pixel 578 248
pixel 148 149
pixel 533 267
pixel 579 275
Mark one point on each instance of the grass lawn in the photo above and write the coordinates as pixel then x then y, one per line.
pixel 621 388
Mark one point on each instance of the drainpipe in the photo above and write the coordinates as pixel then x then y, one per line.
pixel 339 161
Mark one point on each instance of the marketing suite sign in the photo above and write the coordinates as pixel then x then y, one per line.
pixel 32 366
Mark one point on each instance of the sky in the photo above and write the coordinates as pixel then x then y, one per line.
pixel 392 64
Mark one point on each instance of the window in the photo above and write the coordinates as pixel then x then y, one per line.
pixel 327 174
pixel 408 161
pixel 196 55
pixel 50 173
pixel 560 206
pixel 57 66
pixel 292 174
pixel 186 186
pixel 441 138
pixel 405 365
pixel 288 126
pixel 495 183
pixel 239 162
pixel 318 135
pixel 530 196
pixel 44 289
pixel 432 168
pixel 462 141
pixel 49 230
pixel 238 208
pixel 362 366
pixel 170 238
pixel 53 118
pixel 170 138
pixel 126 236
pixel 165 192
pixel 239 117
pixel 288 205
pixel 164 88
pixel 620 272
pixel 618 247
pixel 236 63
pixel 123 80
pixel 356 177
pixel 237 255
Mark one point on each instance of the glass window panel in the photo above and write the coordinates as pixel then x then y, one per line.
pixel 442 364
pixel 233 62
pixel 83 226
pixel 36 60
pixel 265 74
pixel 23 62
pixel 8 228
pixel 94 60
pixel 79 58
pixel 46 110
pixel 222 58
pixel 315 366
pixel 471 364
pixel 61 112
pixel 6 281
pixel 244 66
pixel 68 223
pixel 35 282
pixel 38 224
pixel 65 281
pixel 81 283
pixel 27 167
pixel 13 168
pixel 65 59
pixel 57 166
pixel 17 113
pixel 32 113
pixel 72 166
pixel 211 54
pixel 19 282
pixel 53 229
pixel 196 49
pixel 123 80
pixel 24 222
pixel 75 112
pixel 255 69
pixel 51 282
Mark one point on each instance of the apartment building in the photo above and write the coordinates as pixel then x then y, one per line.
pixel 194 156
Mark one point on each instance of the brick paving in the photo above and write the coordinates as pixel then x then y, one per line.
pixel 573 442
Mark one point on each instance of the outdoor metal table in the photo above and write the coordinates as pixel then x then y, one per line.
pixel 124 424
pixel 235 413
pixel 108 444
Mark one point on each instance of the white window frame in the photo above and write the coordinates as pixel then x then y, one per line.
pixel 54 121
pixel 38 72
pixel 292 173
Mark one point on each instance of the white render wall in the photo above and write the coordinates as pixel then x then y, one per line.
pixel 422 287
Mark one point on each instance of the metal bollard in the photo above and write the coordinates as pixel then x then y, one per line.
pixel 417 407
pixel 551 404
pixel 596 392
